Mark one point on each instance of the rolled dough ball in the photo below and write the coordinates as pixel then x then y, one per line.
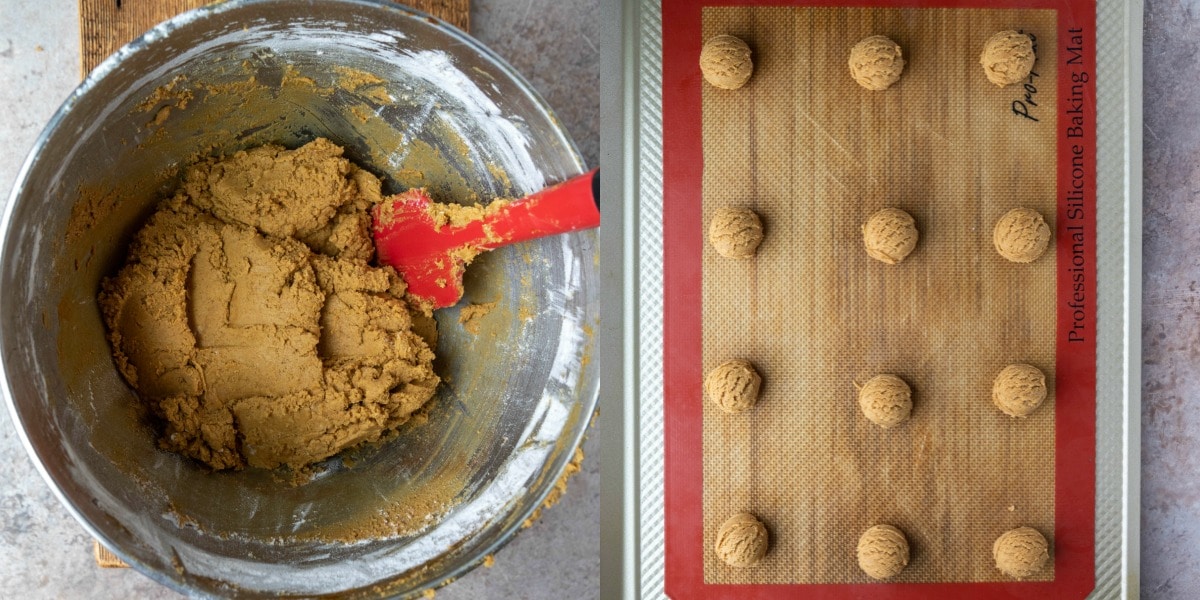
pixel 1021 235
pixel 733 385
pixel 876 62
pixel 742 540
pixel 1021 552
pixel 1019 390
pixel 882 552
pixel 725 62
pixel 735 232
pixel 890 235
pixel 1007 58
pixel 886 400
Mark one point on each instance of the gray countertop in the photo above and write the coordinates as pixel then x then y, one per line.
pixel 44 553
pixel 1171 302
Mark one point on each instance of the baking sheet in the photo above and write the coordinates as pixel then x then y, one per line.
pixel 1115 472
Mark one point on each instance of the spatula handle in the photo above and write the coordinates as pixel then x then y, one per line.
pixel 572 205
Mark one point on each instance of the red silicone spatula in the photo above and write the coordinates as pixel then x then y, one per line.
pixel 431 255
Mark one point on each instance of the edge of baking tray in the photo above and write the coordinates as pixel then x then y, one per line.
pixel 633 307
pixel 618 420
pixel 1119 299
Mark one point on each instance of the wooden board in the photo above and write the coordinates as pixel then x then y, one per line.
pixel 815 155
pixel 106 25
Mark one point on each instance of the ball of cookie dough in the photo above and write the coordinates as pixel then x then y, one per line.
pixel 725 62
pixel 876 62
pixel 1021 235
pixel 733 385
pixel 1007 58
pixel 1021 552
pixel 890 235
pixel 742 540
pixel 882 552
pixel 1019 390
pixel 735 232
pixel 886 400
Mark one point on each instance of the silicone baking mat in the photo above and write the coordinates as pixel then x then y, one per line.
pixel 815 155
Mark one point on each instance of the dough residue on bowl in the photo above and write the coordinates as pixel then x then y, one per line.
pixel 472 314
pixel 248 317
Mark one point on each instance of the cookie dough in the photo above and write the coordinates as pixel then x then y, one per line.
pixel 742 540
pixel 876 63
pixel 735 232
pixel 890 235
pixel 247 317
pixel 1021 235
pixel 733 386
pixel 1021 552
pixel 885 400
pixel 1007 58
pixel 725 62
pixel 882 552
pixel 1019 390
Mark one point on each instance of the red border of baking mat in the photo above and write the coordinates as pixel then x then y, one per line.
pixel 683 233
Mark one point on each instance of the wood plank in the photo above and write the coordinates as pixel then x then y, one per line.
pixel 106 25
pixel 815 155
pixel 105 559
pixel 455 12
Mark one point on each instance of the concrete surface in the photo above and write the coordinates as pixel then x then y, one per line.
pixel 1171 311
pixel 44 553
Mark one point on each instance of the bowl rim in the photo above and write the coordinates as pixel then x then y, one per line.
pixel 113 63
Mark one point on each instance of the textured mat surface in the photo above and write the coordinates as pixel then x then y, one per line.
pixel 815 155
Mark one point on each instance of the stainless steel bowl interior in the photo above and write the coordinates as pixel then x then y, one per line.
pixel 452 116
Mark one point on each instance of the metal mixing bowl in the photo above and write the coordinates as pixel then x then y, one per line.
pixel 389 520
